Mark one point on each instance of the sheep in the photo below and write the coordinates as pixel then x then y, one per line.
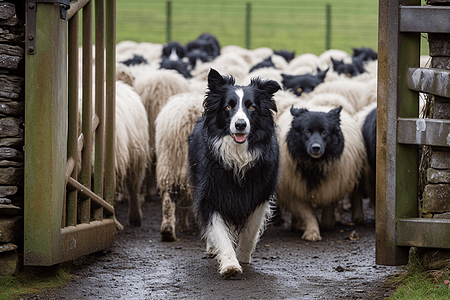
pixel 266 73
pixel 298 64
pixel 132 147
pixel 342 174
pixel 173 126
pixel 325 57
pixel 155 88
pixel 333 100
pixel 350 89
pixel 227 63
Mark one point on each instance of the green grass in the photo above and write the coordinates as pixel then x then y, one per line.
pixel 32 281
pixel 298 26
pixel 418 283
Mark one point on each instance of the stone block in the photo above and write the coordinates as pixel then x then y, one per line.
pixel 441 110
pixel 9 263
pixel 438 2
pixel 11 176
pixel 436 198
pixel 11 229
pixel 440 160
pixel 7 247
pixel 439 44
pixel 438 176
pixel 440 62
pixel 442 216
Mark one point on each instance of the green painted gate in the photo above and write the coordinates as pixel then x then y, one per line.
pixel 401 132
pixel 64 215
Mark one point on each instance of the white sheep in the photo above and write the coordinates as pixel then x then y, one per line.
pixel 132 147
pixel 173 125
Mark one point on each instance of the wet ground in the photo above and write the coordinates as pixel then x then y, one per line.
pixel 141 266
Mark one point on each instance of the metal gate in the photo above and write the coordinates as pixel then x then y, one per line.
pixel 400 131
pixel 66 217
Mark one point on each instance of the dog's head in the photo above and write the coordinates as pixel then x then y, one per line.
pixel 315 135
pixel 305 83
pixel 243 112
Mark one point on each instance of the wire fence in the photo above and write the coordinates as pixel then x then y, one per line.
pixel 308 26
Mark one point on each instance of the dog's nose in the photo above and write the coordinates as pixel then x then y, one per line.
pixel 316 148
pixel 240 124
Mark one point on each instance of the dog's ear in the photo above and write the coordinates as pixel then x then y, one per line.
pixel 297 112
pixel 268 86
pixel 215 80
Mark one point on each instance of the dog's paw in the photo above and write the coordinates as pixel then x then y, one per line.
pixel 243 258
pixel 230 271
pixel 311 235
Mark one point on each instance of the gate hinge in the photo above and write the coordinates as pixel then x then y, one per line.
pixel 31 6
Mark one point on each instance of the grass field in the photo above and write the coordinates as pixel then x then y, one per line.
pixel 298 26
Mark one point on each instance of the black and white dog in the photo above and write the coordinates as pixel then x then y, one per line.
pixel 233 167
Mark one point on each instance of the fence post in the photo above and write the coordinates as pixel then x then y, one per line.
pixel 169 21
pixel 328 27
pixel 247 24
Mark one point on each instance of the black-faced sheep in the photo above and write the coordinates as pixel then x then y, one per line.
pixel 311 175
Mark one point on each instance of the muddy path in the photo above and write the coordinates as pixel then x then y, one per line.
pixel 141 266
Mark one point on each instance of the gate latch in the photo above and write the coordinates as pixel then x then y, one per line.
pixel 31 7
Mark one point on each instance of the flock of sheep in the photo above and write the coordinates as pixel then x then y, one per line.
pixel 157 109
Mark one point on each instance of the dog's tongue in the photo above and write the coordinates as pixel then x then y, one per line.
pixel 239 137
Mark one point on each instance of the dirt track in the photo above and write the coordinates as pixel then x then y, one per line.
pixel 140 266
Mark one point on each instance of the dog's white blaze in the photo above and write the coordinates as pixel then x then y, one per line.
pixel 240 114
pixel 220 240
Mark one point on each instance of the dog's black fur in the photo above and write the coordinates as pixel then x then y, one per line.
pixel 173 47
pixel 177 65
pixel 299 84
pixel 314 138
pixel 216 187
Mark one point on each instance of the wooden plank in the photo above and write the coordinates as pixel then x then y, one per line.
pixel 416 131
pixel 84 239
pixel 431 81
pixel 420 232
pixel 429 19
pixel 46 140
pixel 394 192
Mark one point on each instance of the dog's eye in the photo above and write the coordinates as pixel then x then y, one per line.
pixel 324 132
pixel 307 131
pixel 299 90
pixel 228 107
pixel 251 108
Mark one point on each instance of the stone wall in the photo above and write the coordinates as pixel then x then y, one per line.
pixel 12 71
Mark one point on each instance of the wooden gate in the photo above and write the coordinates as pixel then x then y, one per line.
pixel 400 131
pixel 66 217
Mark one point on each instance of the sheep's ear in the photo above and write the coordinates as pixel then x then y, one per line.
pixel 336 63
pixel 335 113
pixel 297 112
pixel 321 74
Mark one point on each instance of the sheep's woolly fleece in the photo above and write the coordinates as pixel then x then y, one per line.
pixel 343 174
pixel 173 125
pixel 132 136
pixel 155 89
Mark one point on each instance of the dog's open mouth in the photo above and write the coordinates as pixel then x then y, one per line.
pixel 239 137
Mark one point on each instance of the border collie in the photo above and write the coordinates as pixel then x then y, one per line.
pixel 233 167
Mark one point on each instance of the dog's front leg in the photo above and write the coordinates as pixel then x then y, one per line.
pixel 249 236
pixel 219 240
